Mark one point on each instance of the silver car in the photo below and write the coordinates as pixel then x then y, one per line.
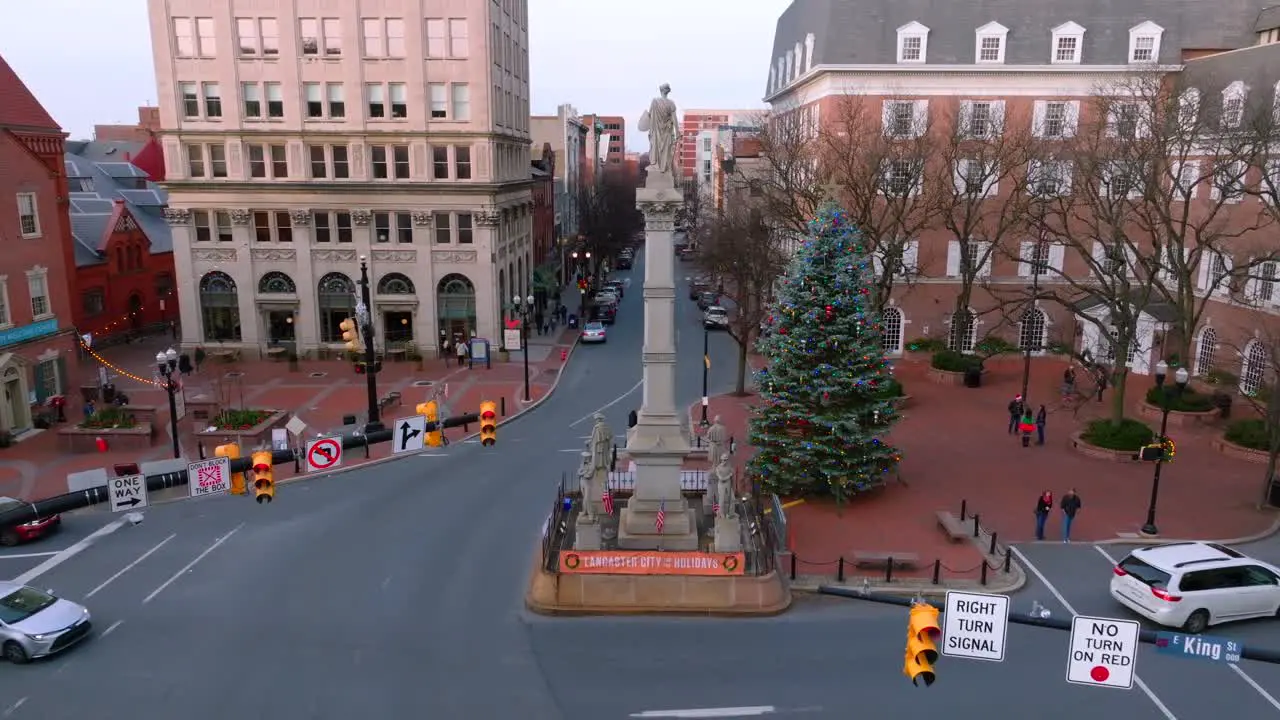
pixel 34 623
pixel 594 332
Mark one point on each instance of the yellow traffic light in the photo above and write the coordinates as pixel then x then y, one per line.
pixel 922 650
pixel 431 412
pixel 231 451
pixel 349 335
pixel 488 423
pixel 264 482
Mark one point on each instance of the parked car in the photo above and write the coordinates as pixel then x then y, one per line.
pixel 605 312
pixel 594 332
pixel 687 253
pixel 697 286
pixel 28 531
pixel 625 262
pixel 1192 585
pixel 715 318
pixel 617 287
pixel 706 299
pixel 35 623
pixel 606 295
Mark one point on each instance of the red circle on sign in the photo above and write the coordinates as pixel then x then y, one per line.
pixel 324 454
pixel 1099 673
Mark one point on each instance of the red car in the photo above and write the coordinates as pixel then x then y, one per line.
pixel 28 531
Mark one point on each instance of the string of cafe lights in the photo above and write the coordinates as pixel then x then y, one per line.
pixel 115 368
pixel 106 329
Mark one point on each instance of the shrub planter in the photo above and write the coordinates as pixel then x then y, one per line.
pixel 85 440
pixel 1180 419
pixel 1100 453
pixel 250 437
pixel 1239 452
pixel 203 407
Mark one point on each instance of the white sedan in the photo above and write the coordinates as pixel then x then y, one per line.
pixel 715 318
pixel 593 332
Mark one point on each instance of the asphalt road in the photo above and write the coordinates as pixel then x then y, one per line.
pixel 396 591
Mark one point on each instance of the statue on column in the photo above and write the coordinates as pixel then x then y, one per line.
pixel 664 132
pixel 587 483
pixel 601 443
pixel 717 442
pixel 724 488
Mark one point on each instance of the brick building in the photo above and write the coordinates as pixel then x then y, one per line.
pixel 37 337
pixel 146 128
pixel 615 145
pixel 942 96
pixel 698 134
pixel 543 173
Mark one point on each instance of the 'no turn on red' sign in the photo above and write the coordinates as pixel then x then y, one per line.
pixel 1104 652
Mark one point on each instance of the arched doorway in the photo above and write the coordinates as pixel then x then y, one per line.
pixel 278 297
pixel 395 296
pixel 15 413
pixel 503 296
pixel 219 307
pixel 520 281
pixel 336 300
pixel 1253 370
pixel 1205 349
pixel 1031 331
pixel 135 311
pixel 456 303
pixel 891 331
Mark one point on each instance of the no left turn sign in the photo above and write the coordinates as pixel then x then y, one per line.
pixel 324 454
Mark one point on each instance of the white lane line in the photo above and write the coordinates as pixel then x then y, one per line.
pixel 606 406
pixel 190 565
pixel 727 712
pixel 28 555
pixel 14 707
pixel 129 567
pixel 571 450
pixel 1243 675
pixel 53 562
pixel 1155 700
pixel 109 630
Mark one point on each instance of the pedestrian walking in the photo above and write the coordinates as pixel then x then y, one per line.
pixel 1015 412
pixel 1068 382
pixel 1042 416
pixel 445 351
pixel 1044 506
pixel 1102 382
pixel 461 352
pixel 1070 506
pixel 538 323
pixel 1026 426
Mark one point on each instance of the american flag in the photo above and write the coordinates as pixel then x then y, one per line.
pixel 715 508
pixel 660 521
pixel 607 500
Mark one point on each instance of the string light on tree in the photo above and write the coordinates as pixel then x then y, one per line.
pixel 825 405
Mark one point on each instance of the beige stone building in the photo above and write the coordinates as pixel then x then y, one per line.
pixel 301 136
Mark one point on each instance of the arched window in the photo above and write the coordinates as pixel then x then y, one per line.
pixel 395 284
pixel 277 283
pixel 1205 347
pixel 964 331
pixel 1254 369
pixel 1032 330
pixel 336 301
pixel 456 305
pixel 220 307
pixel 891 331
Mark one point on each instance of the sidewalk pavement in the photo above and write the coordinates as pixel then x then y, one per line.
pixel 319 392
pixel 955 448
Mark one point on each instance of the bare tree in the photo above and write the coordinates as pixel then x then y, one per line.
pixel 744 254
pixel 609 216
pixel 788 189
pixel 877 177
pixel 1261 393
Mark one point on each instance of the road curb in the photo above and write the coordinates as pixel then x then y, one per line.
pixel 1273 529
pixel 380 461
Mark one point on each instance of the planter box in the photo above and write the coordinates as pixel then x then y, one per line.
pixel 1093 451
pixel 258 435
pixel 914 357
pixel 142 413
pixel 948 377
pixel 84 440
pixel 203 407
pixel 1239 452
pixel 1178 419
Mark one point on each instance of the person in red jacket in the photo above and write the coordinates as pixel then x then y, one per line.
pixel 1044 506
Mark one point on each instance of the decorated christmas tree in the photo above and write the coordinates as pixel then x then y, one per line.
pixel 825 407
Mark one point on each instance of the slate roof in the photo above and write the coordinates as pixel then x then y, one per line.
pixel 19 109
pixel 114 186
pixel 1268 19
pixel 864 32
pixel 1258 67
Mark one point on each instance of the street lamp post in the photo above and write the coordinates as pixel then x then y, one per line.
pixel 365 317
pixel 167 366
pixel 1180 378
pixel 1036 268
pixel 706 369
pixel 525 308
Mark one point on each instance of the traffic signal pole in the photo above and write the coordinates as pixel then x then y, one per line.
pixel 370 356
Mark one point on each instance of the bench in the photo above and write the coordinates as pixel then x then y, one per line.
pixel 955 529
pixel 391 398
pixel 881 560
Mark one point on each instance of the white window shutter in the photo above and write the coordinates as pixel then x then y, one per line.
pixel 877 262
pixel 911 257
pixel 1112 122
pixel 1130 260
pixel 1066 172
pixel 984 254
pixel 1206 263
pixel 953 258
pixel 1073 119
pixel 920 117
pixel 1224 286
pixel 997 117
pixel 1099 257
pixel 886 117
pixel 1252 284
pixel 1037 121
pixel 1057 256
pixel 1144 121
pixel 964 123
pixel 1026 256
pixel 961 173
pixel 992 181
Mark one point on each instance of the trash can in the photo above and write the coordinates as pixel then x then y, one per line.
pixel 973 377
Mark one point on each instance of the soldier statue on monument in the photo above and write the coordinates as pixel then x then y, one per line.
pixel 724 475
pixel 587 484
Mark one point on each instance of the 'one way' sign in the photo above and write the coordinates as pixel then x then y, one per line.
pixel 128 493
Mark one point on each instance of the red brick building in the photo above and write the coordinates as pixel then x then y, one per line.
pixel 615 126
pixel 37 337
pixel 147 127
pixel 697 136
pixel 543 173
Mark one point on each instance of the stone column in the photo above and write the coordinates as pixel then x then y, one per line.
pixel 657 444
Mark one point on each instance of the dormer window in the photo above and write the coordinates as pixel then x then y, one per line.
pixel 790 66
pixel 808 52
pixel 1068 44
pixel 990 47
pixel 1144 42
pixel 799 60
pixel 1233 105
pixel 913 43
pixel 773 79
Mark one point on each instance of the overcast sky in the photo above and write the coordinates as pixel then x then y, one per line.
pixel 89 61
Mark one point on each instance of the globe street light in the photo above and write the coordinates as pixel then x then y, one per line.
pixel 167 366
pixel 525 309
pixel 1180 378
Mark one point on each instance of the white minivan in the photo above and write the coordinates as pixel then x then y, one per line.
pixel 1192 585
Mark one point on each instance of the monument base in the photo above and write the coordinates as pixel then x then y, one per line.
pixel 586 535
pixel 637 527
pixel 728 534
pixel 565 594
